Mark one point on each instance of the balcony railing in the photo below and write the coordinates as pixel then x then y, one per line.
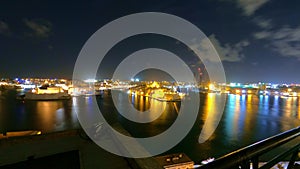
pixel 248 157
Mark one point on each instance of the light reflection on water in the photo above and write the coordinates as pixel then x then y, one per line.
pixel 47 116
pixel 246 119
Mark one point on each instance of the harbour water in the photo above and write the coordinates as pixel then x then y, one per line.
pixel 246 118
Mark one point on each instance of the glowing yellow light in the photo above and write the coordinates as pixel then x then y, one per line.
pixel 211 87
pixel 285 94
pixel 155 85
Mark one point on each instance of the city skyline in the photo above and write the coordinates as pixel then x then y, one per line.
pixel 256 40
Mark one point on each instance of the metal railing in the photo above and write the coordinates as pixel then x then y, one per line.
pixel 248 157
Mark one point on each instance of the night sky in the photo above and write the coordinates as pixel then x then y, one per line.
pixel 257 40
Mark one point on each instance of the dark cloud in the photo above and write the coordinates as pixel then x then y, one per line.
pixel 227 52
pixel 38 28
pixel 250 6
pixel 263 23
pixel 284 40
pixel 4 28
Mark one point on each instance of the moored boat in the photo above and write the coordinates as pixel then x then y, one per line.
pixel 46 93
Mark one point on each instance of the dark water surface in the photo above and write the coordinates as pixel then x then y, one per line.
pixel 246 119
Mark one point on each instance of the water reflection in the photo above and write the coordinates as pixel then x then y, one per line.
pixel 52 115
pixel 232 110
pixel 47 116
pixel 252 117
pixel 246 118
pixel 138 109
pixel 46 113
pixel 298 105
pixel 213 107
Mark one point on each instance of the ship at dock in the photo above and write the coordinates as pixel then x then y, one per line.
pixel 46 93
